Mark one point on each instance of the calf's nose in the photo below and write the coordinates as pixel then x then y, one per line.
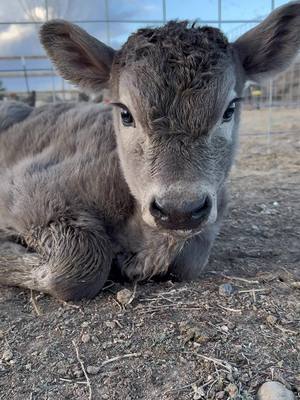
pixel 184 215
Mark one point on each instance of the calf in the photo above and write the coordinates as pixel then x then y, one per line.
pixel 139 186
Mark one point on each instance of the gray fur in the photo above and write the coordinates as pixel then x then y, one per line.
pixel 77 186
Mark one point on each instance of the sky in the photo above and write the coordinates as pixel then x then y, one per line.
pixel 18 39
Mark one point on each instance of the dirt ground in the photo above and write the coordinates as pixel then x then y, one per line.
pixel 201 340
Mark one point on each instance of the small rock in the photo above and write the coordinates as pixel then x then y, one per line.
pixel 92 369
pixel 1 334
pixel 274 391
pixel 28 367
pixel 192 333
pixel 271 319
pixel 2 369
pixel 220 395
pixel 7 355
pixel 226 289
pixel 198 392
pixel 85 338
pixel 295 285
pixel 94 339
pixel 224 328
pixel 110 324
pixel 124 296
pixel 77 373
pixel 232 390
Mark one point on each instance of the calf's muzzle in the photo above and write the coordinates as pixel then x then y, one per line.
pixel 184 215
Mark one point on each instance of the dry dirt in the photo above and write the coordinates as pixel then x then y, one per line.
pixel 175 340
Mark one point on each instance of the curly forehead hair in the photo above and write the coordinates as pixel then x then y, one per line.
pixel 177 42
pixel 176 66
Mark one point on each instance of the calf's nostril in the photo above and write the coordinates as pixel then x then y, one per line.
pixel 203 209
pixel 157 210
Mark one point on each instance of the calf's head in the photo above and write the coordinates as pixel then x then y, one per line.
pixel 176 92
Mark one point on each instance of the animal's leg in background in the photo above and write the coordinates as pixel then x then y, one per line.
pixel 67 259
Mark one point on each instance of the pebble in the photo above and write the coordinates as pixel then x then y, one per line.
pixel 271 319
pixel 124 296
pixel 198 392
pixel 110 324
pixel 85 338
pixel 92 369
pixel 7 355
pixel 232 390
pixel 77 373
pixel 274 391
pixel 226 289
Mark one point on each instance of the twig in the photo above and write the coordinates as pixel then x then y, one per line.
pixel 129 355
pixel 179 389
pixel 282 329
pixel 83 370
pixel 71 305
pixel 117 303
pixel 34 304
pixel 216 361
pixel 253 290
pixel 108 286
pixel 71 381
pixel 240 279
pixel 152 309
pixel 133 294
pixel 230 309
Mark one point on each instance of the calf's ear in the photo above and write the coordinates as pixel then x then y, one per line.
pixel 271 46
pixel 78 57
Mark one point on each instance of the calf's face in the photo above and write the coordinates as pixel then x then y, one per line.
pixel 177 95
pixel 176 92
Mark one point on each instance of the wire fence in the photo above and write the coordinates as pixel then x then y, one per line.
pixel 31 77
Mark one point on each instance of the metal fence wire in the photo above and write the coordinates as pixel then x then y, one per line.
pixel 31 77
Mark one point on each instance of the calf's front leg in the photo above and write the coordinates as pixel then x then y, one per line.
pixel 69 259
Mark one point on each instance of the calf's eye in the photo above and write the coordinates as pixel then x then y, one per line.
pixel 228 114
pixel 127 118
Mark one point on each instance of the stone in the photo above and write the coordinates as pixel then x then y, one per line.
pixel 124 296
pixel 271 319
pixel 92 369
pixel 85 338
pixel 296 285
pixel 274 391
pixel 232 390
pixel 226 289
pixel 7 355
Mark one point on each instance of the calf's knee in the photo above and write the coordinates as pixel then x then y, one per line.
pixel 76 260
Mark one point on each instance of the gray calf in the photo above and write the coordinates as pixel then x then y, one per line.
pixel 141 186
